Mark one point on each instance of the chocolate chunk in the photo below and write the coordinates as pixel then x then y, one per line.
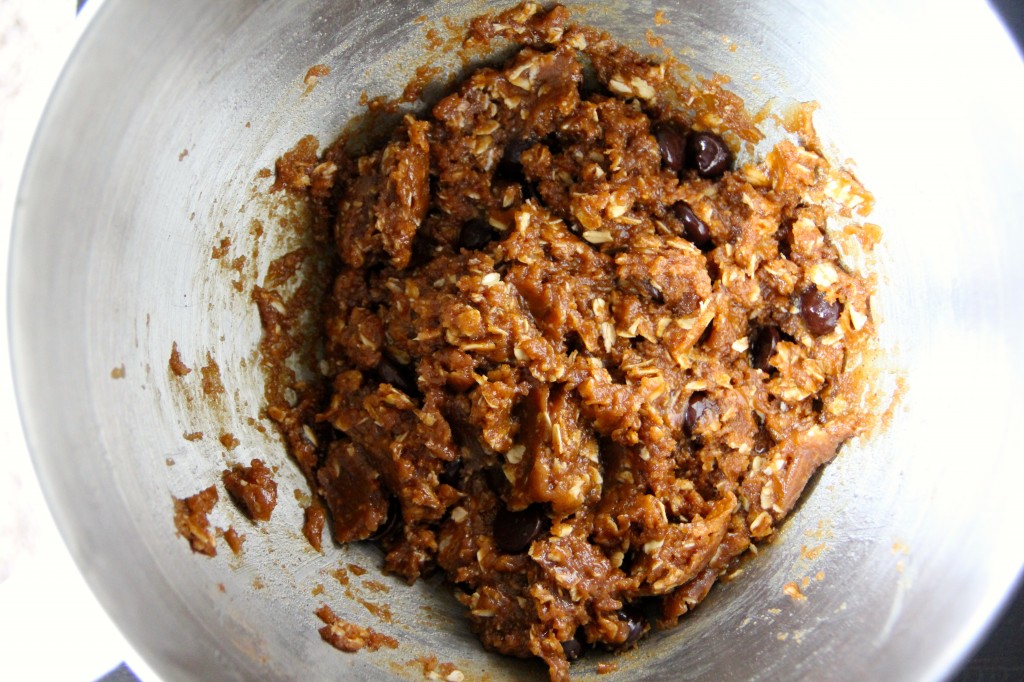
pixel 475 235
pixel 672 142
pixel 694 228
pixel 635 620
pixel 698 404
pixel 402 377
pixel 514 532
pixel 573 648
pixel 820 315
pixel 763 347
pixel 708 154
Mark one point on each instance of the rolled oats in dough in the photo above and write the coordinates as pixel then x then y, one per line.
pixel 579 358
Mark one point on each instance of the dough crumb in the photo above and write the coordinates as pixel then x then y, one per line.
pixel 349 637
pixel 314 74
pixel 792 590
pixel 234 540
pixel 175 364
pixel 211 377
pixel 313 525
pixel 229 441
pixel 190 518
pixel 253 487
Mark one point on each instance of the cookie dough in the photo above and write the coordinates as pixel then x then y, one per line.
pixel 581 358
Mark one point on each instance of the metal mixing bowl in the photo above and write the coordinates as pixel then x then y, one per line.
pixel 111 263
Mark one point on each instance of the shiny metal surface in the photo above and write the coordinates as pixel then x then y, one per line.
pixel 916 532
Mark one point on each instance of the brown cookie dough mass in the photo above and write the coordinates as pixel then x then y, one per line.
pixel 580 357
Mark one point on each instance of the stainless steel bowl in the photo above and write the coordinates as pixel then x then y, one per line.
pixel 916 531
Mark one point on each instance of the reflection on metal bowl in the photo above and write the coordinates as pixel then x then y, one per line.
pixel 147 156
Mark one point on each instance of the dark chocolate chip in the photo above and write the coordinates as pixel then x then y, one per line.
pixel 763 347
pixel 820 315
pixel 574 343
pixel 714 271
pixel 532 191
pixel 784 235
pixel 402 377
pixel 628 560
pixel 554 144
pixel 450 473
pixel 423 251
pixel 475 234
pixel 464 436
pixel 763 440
pixel 635 620
pixel 672 143
pixel 573 648
pixel 708 154
pixel 391 523
pixel 511 165
pixel 696 406
pixel 652 292
pixel 514 532
pixel 694 228
pixel 687 305
pixel 705 335
pixel 495 478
